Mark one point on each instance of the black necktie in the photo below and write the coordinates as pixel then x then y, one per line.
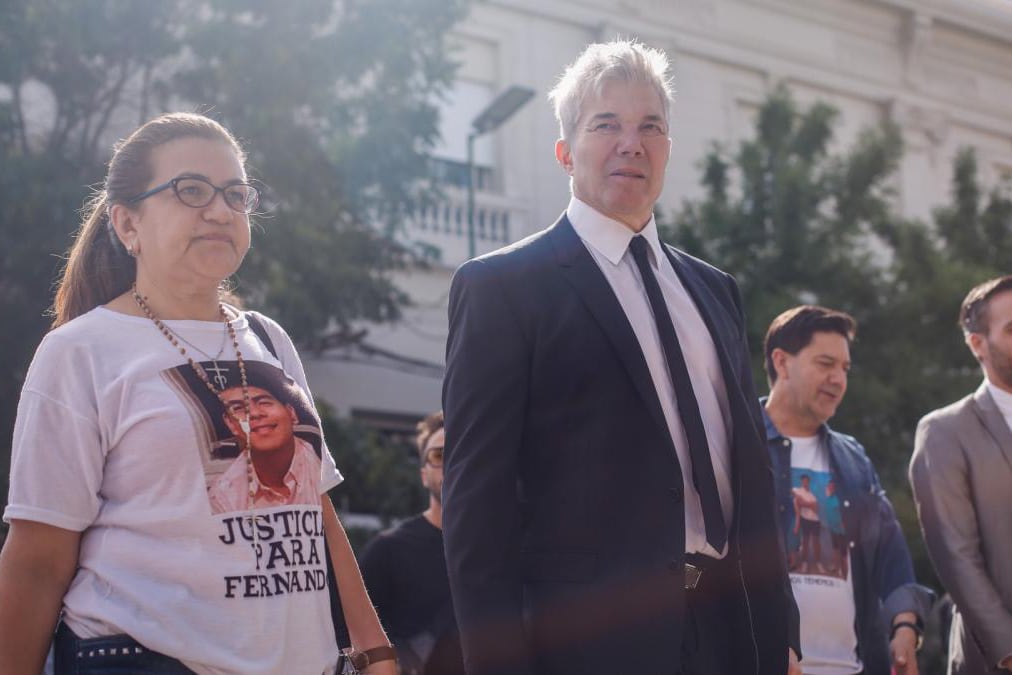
pixel 688 408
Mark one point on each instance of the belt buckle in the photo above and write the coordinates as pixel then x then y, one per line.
pixel 692 576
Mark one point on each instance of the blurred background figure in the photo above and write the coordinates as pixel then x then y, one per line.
pixel 405 571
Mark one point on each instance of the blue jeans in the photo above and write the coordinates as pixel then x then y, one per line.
pixel 109 655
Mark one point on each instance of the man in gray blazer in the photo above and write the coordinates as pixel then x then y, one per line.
pixel 961 473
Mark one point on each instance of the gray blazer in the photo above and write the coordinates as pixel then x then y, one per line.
pixel 961 473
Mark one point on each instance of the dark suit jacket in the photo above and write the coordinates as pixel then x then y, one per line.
pixel 562 497
pixel 961 472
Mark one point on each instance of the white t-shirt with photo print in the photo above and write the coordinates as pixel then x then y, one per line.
pixel 819 559
pixel 105 445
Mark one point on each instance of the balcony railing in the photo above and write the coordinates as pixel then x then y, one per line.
pixel 498 220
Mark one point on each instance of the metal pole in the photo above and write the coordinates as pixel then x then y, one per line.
pixel 470 195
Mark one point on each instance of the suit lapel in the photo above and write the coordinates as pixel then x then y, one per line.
pixel 716 323
pixel 579 268
pixel 992 419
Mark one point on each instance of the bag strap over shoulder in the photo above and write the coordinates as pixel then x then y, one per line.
pixel 256 324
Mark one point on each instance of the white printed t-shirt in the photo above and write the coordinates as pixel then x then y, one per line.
pixel 112 440
pixel 819 562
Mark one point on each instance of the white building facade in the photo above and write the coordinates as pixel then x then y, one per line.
pixel 940 69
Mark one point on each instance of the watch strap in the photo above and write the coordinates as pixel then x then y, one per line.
pixel 363 659
pixel 918 629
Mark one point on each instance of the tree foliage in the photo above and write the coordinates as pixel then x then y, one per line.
pixel 797 224
pixel 788 219
pixel 335 99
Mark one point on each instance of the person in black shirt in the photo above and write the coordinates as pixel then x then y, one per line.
pixel 404 569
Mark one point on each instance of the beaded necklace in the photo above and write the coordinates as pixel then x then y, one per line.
pixel 244 422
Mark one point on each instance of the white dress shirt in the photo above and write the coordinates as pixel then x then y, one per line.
pixel 608 243
pixel 1003 400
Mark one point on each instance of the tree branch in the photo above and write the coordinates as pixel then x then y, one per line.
pixel 112 103
pixel 18 118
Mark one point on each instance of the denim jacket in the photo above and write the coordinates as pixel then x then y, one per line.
pixel 882 571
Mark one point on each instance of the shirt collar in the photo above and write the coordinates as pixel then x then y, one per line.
pixel 1002 399
pixel 608 236
pixel 772 433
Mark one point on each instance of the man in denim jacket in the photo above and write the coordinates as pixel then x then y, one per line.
pixel 861 610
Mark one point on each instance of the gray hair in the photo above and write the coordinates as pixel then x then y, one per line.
pixel 622 60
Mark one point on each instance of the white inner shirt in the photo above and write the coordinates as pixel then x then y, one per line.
pixel 1003 400
pixel 608 241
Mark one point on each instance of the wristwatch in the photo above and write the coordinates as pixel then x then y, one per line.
pixel 360 660
pixel 918 628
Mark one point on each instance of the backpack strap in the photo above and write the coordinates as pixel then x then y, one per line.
pixel 256 324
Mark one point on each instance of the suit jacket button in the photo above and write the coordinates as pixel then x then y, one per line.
pixel 676 493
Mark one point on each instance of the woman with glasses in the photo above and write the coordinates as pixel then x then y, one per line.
pixel 123 424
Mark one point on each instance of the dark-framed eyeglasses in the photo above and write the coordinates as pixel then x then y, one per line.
pixel 198 192
pixel 434 457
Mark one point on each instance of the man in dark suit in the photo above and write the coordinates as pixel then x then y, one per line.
pixel 608 498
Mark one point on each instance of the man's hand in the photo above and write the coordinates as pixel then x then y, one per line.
pixel 1006 663
pixel 793 667
pixel 903 651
